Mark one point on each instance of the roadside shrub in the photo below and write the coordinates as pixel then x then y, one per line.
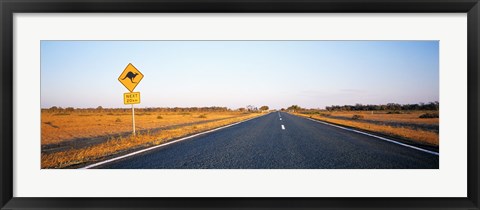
pixel 62 113
pixel 159 117
pixel 325 114
pixel 357 117
pixel 118 120
pixel 51 124
pixel 394 112
pixel 429 115
pixel 310 112
pixel 202 116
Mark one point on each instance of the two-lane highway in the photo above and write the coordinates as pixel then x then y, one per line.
pixel 280 141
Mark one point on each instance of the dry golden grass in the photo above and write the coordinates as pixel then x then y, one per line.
pixel 117 145
pixel 56 127
pixel 408 117
pixel 416 135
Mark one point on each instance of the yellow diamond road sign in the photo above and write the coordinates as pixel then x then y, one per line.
pixel 130 77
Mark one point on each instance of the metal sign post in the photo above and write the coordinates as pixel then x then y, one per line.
pixel 133 119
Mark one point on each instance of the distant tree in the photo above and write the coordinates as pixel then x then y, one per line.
pixel 282 109
pixel 437 105
pixel 69 109
pixel 294 108
pixel 358 106
pixel 241 109
pixel 99 108
pixel 264 108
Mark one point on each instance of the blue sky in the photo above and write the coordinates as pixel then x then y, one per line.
pixel 311 74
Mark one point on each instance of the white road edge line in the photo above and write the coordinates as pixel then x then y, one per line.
pixel 165 144
pixel 280 118
pixel 283 127
pixel 378 137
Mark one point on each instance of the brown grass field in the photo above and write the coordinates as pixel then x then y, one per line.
pixel 153 128
pixel 405 125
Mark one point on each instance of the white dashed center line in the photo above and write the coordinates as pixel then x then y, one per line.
pixel 280 118
pixel 283 127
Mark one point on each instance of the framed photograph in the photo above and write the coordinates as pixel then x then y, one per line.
pixel 240 104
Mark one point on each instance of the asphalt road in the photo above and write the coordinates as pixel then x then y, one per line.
pixel 290 143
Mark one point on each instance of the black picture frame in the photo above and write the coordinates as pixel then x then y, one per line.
pixel 9 7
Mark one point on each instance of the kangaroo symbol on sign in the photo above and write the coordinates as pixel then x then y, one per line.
pixel 131 76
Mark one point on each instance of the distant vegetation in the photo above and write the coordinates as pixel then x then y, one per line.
pixel 390 106
pixel 294 108
pixel 264 108
pixel 60 110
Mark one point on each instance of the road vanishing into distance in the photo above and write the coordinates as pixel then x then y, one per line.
pixel 280 140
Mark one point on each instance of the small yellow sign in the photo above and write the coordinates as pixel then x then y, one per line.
pixel 131 98
pixel 130 77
